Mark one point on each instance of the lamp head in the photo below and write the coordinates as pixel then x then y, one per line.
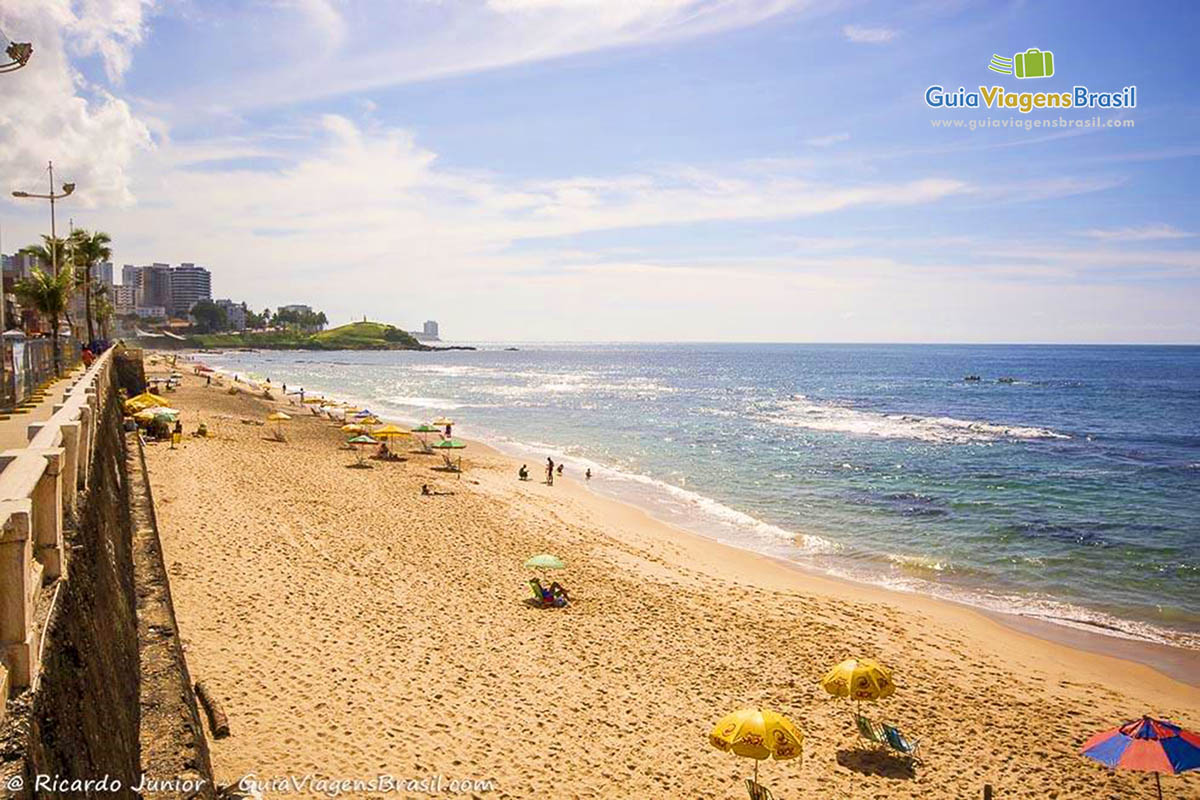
pixel 68 188
pixel 20 194
pixel 19 52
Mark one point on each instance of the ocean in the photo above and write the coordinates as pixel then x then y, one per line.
pixel 1069 491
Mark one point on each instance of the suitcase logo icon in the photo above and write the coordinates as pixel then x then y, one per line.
pixel 1033 63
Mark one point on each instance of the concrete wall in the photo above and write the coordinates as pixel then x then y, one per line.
pixel 84 716
pixel 70 506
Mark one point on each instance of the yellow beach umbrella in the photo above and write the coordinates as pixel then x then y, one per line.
pixel 759 734
pixel 278 416
pixel 443 421
pixel 389 431
pixel 859 679
pixel 143 401
pixel 354 428
pixel 370 420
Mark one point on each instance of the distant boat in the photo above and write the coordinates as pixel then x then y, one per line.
pixel 972 379
pixel 511 349
pixel 1006 380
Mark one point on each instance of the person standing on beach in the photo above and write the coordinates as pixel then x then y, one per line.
pixel 588 473
pixel 549 471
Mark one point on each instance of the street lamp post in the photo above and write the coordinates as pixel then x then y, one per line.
pixel 67 189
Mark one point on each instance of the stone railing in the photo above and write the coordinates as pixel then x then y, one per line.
pixel 39 484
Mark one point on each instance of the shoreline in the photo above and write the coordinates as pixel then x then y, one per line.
pixel 370 627
pixel 1177 662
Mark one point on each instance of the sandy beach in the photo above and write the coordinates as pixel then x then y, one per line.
pixel 352 626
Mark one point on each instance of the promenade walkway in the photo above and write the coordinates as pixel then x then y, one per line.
pixel 14 430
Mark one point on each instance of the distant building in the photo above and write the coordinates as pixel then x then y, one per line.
pixel 428 332
pixel 155 281
pixel 103 274
pixel 151 312
pixel 297 307
pixel 235 314
pixel 19 266
pixel 125 299
pixel 189 285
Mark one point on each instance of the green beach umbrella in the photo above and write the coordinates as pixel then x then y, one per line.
pixel 358 441
pixel 545 561
pixel 424 431
pixel 450 444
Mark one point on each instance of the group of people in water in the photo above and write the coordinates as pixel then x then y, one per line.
pixel 551 470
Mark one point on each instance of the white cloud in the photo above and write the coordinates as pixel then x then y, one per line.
pixel 371 206
pixel 414 40
pixel 827 141
pixel 862 35
pixel 91 139
pixel 110 29
pixel 1142 233
pixel 323 17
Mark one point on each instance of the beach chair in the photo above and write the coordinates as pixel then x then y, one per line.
pixel 870 731
pixel 896 741
pixel 757 791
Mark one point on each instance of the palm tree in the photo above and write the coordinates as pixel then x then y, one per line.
pixel 49 295
pixel 42 252
pixel 90 249
pixel 103 309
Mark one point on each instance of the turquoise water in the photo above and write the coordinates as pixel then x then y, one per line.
pixel 1071 493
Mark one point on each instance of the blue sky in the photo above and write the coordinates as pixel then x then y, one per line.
pixel 758 170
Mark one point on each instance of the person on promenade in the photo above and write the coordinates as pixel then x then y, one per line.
pixel 87 357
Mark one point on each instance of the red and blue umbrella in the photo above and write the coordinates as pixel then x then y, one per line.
pixel 1146 745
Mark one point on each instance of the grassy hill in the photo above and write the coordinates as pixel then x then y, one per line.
pixel 355 336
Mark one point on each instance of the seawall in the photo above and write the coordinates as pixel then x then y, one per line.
pixel 83 602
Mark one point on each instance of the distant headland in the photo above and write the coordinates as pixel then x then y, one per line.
pixel 362 335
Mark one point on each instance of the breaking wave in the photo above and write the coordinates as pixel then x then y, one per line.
pixel 802 413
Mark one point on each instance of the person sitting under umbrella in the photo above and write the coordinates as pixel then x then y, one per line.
pixel 553 596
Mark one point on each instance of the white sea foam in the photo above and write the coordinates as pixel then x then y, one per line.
pixel 802 413
pixel 439 403
pixel 675 503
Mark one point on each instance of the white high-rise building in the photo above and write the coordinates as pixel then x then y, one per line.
pixel 189 285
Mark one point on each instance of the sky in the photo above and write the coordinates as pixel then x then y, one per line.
pixel 627 170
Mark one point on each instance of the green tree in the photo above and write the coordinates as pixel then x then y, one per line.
pixel 89 249
pixel 42 252
pixel 49 295
pixel 209 317
pixel 104 313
